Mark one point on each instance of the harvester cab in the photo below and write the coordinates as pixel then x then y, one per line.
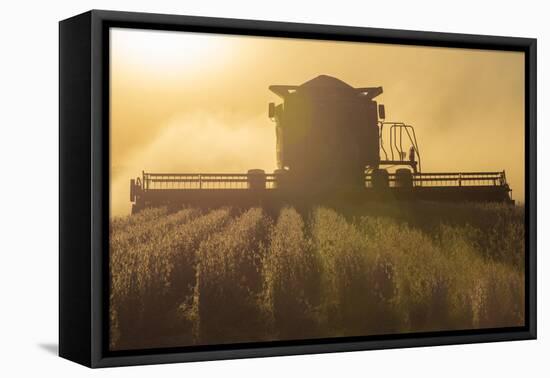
pixel 330 133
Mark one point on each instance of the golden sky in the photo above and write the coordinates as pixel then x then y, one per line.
pixel 186 102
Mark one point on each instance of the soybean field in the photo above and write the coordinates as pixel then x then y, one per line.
pixel 213 276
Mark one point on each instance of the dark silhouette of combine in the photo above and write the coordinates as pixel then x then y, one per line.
pixel 330 149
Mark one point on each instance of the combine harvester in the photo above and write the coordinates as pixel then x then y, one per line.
pixel 330 150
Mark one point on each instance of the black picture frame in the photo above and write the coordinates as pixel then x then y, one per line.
pixel 84 186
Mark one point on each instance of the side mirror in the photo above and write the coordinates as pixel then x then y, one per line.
pixel 381 111
pixel 271 111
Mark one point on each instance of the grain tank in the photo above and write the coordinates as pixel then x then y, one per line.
pixel 327 133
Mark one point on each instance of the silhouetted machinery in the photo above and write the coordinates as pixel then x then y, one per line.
pixel 330 148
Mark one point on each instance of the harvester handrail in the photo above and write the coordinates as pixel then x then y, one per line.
pixel 161 181
pixel 242 180
pixel 499 174
pixel 397 153
pixel 450 179
pixel 196 174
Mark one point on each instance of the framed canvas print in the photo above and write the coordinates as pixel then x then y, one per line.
pixel 234 188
